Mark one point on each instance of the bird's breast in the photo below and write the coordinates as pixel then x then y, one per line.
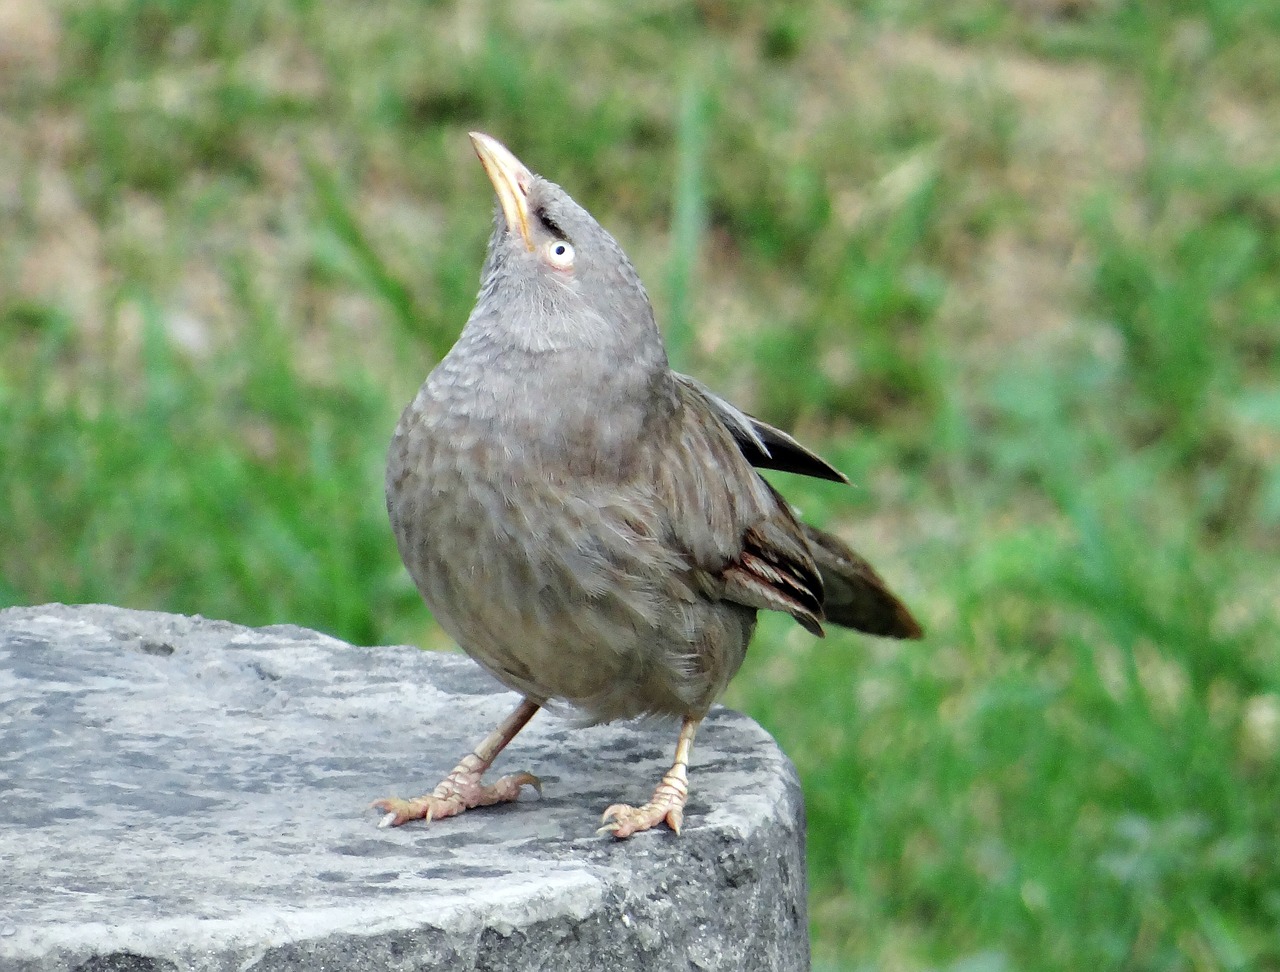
pixel 558 416
pixel 545 560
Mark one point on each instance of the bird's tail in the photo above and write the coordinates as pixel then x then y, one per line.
pixel 854 594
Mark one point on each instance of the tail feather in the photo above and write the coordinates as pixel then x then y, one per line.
pixel 855 596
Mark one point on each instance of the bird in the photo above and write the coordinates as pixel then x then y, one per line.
pixel 588 524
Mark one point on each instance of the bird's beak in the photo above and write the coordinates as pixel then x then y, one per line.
pixel 511 181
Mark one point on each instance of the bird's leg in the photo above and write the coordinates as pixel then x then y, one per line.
pixel 667 802
pixel 462 789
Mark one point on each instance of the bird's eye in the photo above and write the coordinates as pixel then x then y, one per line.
pixel 559 254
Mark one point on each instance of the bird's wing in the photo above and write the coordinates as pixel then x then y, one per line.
pixel 849 591
pixel 763 445
pixel 738 532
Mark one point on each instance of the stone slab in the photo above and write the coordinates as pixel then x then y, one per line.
pixel 178 793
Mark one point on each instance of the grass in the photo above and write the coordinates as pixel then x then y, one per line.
pixel 1015 267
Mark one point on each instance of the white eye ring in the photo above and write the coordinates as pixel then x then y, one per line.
pixel 559 253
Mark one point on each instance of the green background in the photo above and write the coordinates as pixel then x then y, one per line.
pixel 1015 267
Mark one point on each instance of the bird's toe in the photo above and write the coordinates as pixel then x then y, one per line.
pixel 622 820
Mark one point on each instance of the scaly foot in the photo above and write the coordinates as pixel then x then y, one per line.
pixel 666 804
pixel 460 790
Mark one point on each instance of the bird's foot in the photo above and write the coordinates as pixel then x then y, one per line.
pixel 460 790
pixel 667 804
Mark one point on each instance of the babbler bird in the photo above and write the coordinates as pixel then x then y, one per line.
pixel 586 522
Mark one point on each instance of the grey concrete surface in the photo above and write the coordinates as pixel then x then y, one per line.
pixel 178 793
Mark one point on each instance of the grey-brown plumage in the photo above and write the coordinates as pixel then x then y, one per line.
pixel 587 523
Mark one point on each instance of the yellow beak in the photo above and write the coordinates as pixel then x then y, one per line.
pixel 511 181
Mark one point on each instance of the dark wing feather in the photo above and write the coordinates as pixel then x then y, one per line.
pixel 761 444
pixel 776 576
pixel 787 455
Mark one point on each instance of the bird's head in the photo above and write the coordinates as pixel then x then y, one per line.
pixel 554 278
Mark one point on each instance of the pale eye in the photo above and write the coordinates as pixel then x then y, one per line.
pixel 559 253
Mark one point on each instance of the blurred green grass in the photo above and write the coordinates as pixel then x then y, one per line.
pixel 1014 266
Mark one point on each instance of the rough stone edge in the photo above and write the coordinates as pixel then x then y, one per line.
pixel 648 906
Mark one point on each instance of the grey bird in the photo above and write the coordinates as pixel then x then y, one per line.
pixel 585 522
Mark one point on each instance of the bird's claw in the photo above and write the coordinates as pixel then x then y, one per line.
pixel 458 791
pixel 622 820
pixel 667 803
